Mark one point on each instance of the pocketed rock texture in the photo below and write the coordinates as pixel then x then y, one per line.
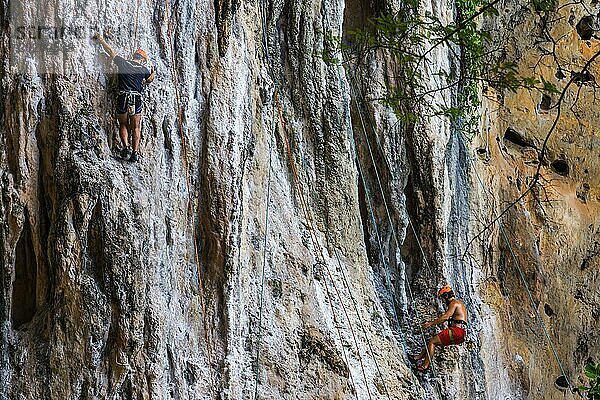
pixel 239 257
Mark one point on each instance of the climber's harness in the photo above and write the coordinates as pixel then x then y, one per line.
pixel 455 322
pixel 130 100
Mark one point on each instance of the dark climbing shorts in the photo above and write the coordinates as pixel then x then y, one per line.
pixel 124 99
pixel 452 335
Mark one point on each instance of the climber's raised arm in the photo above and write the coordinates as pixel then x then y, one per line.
pixel 111 53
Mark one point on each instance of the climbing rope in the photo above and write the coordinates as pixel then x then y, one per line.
pixel 341 269
pixel 525 284
pixel 380 245
pixel 379 241
pixel 522 277
pixel 353 89
pixel 136 43
pixel 184 156
pixel 308 216
pixel 317 246
pixel 360 321
pixel 262 279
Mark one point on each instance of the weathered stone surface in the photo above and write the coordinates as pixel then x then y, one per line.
pixel 553 229
pixel 145 280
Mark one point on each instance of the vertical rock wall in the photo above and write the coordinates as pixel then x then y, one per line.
pixel 553 228
pixel 164 278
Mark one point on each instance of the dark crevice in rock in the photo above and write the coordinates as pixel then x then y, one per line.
pixel 96 246
pixel 591 254
pixel 582 192
pixel 514 137
pixel 561 383
pixel 589 360
pixel 23 300
pixel 190 374
pixel 584 350
pixel 365 197
pixel 126 391
pixel 166 129
pixel 357 14
pixel 548 310
pixel 224 12
pixel 44 233
pixel 4 279
pixel 172 379
pixel 213 270
pixel 420 195
pixel 560 166
pixel 168 232
pixel 366 222
pixel 410 250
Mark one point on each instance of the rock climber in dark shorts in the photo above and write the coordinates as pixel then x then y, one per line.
pixel 133 75
pixel 456 316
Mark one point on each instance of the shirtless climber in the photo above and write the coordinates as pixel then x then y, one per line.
pixel 456 315
pixel 133 76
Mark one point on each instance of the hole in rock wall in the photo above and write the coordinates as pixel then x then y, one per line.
pixel 560 167
pixel 585 27
pixel 546 102
pixel 548 310
pixel 561 383
pixel 559 74
pixel 511 135
pixel 23 301
pixel 584 77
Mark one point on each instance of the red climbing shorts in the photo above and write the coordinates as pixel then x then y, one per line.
pixel 452 335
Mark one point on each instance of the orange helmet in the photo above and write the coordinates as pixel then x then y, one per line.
pixel 141 53
pixel 444 289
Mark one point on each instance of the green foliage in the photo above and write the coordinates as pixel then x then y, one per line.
pixel 544 5
pixel 409 37
pixel 593 390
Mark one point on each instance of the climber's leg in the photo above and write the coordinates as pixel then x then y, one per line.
pixel 123 133
pixel 136 122
pixel 433 342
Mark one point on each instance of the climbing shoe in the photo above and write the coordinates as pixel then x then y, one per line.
pixel 125 153
pixel 133 157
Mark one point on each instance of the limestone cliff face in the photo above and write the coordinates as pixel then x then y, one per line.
pixel 554 228
pixel 166 279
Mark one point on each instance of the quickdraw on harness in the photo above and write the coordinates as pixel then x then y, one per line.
pixel 130 100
